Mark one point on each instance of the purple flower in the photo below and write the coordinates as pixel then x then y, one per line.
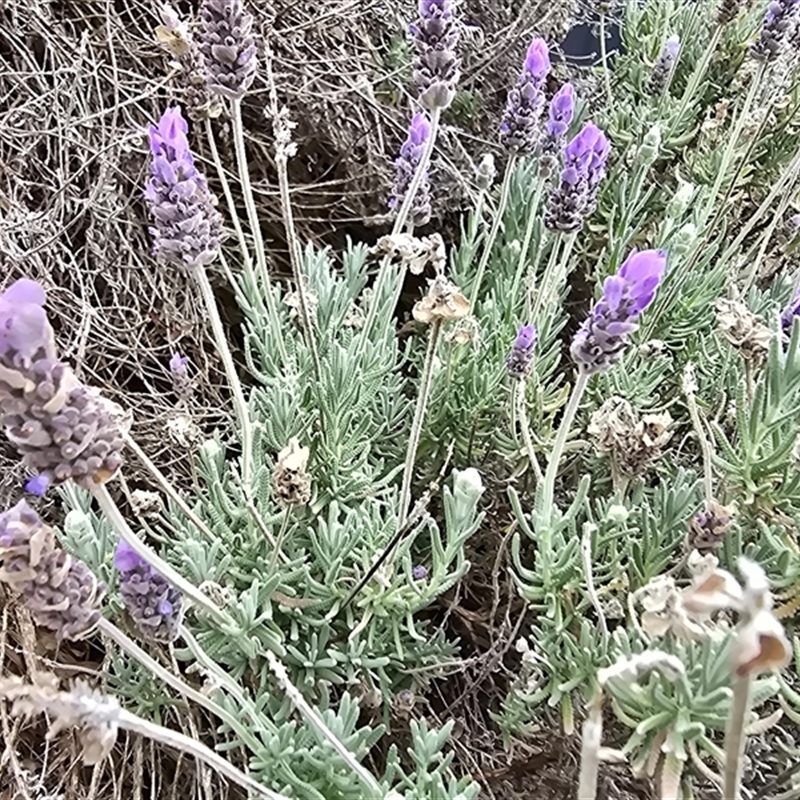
pixel 584 168
pixel 436 63
pixel 187 226
pixel 789 313
pixel 37 485
pixel 227 47
pixel 519 129
pixel 601 340
pixel 419 573
pixel 779 25
pixel 662 71
pixel 520 360
pixel 62 429
pixel 405 168
pixel 61 593
pixel 562 110
pixel 179 365
pixel 153 603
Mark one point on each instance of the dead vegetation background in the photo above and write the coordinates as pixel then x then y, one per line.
pixel 79 82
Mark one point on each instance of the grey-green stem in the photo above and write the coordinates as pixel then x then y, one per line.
pixel 124 531
pixel 689 390
pixel 533 218
pixel 735 737
pixel 525 428
pixel 235 385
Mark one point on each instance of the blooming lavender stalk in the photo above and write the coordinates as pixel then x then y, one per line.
pixel 436 63
pixel 519 129
pixel 62 428
pixel 153 603
pixel 777 28
pixel 179 370
pixel 601 340
pixel 584 168
pixel 405 168
pixel 662 71
pixel 227 47
pixel 61 593
pixel 520 360
pixel 789 313
pixel 187 226
pixel 562 110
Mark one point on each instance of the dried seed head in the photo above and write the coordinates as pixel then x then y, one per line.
pixel 290 481
pixel 61 593
pixel 293 302
pixel 413 252
pixel 745 330
pixel 707 528
pixel 442 302
pixel 633 444
pixel 485 173
pixel 664 611
pixel 465 331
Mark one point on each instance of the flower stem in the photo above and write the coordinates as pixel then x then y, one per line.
pixel 735 736
pixel 604 59
pixel 312 717
pixel 525 428
pixel 496 223
pixel 252 216
pixel 416 425
pixel 689 390
pixel 591 741
pixel 234 383
pixel 533 218
pixel 281 534
pixel 548 489
pixel 120 525
pixel 399 224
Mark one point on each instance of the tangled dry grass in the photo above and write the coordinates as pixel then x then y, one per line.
pixel 79 81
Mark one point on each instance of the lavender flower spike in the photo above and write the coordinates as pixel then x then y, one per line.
pixel 584 168
pixel 790 313
pixel 662 71
pixel 154 604
pixel 562 110
pixel 186 225
pixel 601 340
pixel 62 429
pixel 780 22
pixel 520 360
pixel 405 168
pixel 519 129
pixel 227 47
pixel 436 63
pixel 61 593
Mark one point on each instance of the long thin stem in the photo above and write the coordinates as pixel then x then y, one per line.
pixel 735 737
pixel 252 217
pixel 416 425
pixel 604 59
pixel 374 789
pixel 505 190
pixel 586 547
pixel 239 401
pixel 120 525
pixel 531 309
pixel 168 488
pixel 525 427
pixel 533 218
pixel 399 223
pixel 548 490
pixel 281 534
pixel 689 390
pixel 186 744
pixel 592 739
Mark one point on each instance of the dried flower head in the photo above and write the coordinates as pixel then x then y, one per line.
pixel 293 302
pixel 95 715
pixel 464 331
pixel 761 645
pixel 633 443
pixel 227 47
pixel 63 429
pixel 186 224
pixel 413 252
pixel 443 301
pixel 485 173
pixel 405 168
pixel 290 481
pixel 155 606
pixel 520 127
pixel 662 71
pixel 664 611
pixel 707 528
pixel 745 330
pixel 777 28
pixel 61 593
pixel 436 63
pixel 520 360
pixel 603 337
pixel 575 197
pixel 562 110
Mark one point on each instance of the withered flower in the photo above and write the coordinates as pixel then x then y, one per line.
pixel 442 302
pixel 413 252
pixel 745 330
pixel 290 481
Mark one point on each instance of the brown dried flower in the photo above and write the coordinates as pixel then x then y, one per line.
pixel 290 482
pixel 745 330
pixel 707 528
pixel 665 612
pixel 633 444
pixel 413 252
pixel 443 302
